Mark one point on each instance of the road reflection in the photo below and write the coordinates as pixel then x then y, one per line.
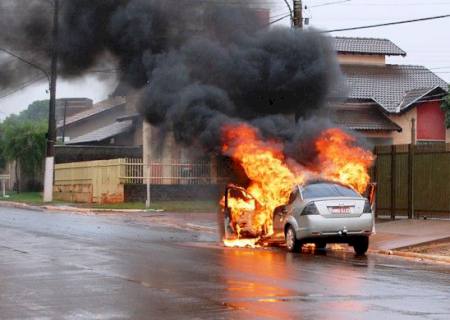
pixel 278 285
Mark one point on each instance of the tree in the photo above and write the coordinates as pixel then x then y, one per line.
pixel 37 111
pixel 446 107
pixel 22 139
pixel 24 142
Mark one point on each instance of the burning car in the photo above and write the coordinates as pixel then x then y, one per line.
pixel 292 202
pixel 318 212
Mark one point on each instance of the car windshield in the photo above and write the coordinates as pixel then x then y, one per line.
pixel 326 190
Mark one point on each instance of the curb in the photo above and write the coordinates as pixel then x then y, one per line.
pixel 20 205
pixel 414 255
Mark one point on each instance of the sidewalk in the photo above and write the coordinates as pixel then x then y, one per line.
pixel 404 233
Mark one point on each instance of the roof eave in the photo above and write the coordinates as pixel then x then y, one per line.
pixel 371 53
pixel 413 103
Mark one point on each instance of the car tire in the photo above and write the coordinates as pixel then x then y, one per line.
pixel 292 243
pixel 320 245
pixel 361 245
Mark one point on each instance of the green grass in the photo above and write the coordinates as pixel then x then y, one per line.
pixel 25 197
pixel 171 206
pixel 35 198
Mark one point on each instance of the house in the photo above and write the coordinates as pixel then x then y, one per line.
pixel 68 107
pixel 105 123
pixel 387 103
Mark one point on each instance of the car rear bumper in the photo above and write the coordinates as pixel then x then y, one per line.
pixel 334 228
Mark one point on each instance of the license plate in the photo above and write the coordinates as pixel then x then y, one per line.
pixel 340 210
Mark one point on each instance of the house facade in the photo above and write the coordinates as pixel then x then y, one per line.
pixel 387 103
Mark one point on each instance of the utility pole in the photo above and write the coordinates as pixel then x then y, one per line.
pixel 64 122
pixel 297 19
pixel 51 135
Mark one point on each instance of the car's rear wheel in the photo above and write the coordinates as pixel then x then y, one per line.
pixel 292 244
pixel 360 245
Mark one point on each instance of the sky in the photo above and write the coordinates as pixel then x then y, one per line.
pixel 426 43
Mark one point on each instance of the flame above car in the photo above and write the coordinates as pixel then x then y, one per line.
pixel 273 175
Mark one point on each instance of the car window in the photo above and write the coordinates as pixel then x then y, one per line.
pixel 325 190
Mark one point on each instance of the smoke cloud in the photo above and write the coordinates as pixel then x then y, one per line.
pixel 198 65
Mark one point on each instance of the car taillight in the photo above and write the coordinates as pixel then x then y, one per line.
pixel 367 207
pixel 310 209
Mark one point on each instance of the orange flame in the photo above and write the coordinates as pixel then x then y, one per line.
pixel 265 166
pixel 342 162
pixel 272 176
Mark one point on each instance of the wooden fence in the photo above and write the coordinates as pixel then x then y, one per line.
pixel 413 180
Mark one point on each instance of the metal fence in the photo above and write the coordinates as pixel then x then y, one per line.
pixel 135 171
pixel 413 180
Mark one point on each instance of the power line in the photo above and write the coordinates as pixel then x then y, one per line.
pixel 33 81
pixel 390 4
pixel 22 86
pixel 388 24
pixel 329 3
pixel 26 62
pixel 279 19
pixel 280 14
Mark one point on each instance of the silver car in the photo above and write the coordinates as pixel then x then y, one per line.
pixel 321 213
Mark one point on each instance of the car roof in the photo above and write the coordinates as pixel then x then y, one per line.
pixel 317 181
pixel 324 181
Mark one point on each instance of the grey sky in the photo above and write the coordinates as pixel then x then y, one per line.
pixel 426 43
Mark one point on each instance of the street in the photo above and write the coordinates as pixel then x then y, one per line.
pixel 74 266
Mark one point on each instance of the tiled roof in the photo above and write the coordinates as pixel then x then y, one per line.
pixel 98 108
pixel 387 85
pixel 367 46
pixel 415 95
pixel 104 133
pixel 364 117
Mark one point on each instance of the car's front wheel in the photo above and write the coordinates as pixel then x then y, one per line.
pixel 292 243
pixel 361 245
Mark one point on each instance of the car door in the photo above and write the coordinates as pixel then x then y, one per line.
pixel 282 212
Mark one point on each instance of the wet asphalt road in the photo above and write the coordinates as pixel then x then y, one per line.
pixel 69 266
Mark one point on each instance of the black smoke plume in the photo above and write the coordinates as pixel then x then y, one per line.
pixel 197 64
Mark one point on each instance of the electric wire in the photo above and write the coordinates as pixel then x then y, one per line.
pixel 279 19
pixel 22 86
pixel 329 4
pixel 388 24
